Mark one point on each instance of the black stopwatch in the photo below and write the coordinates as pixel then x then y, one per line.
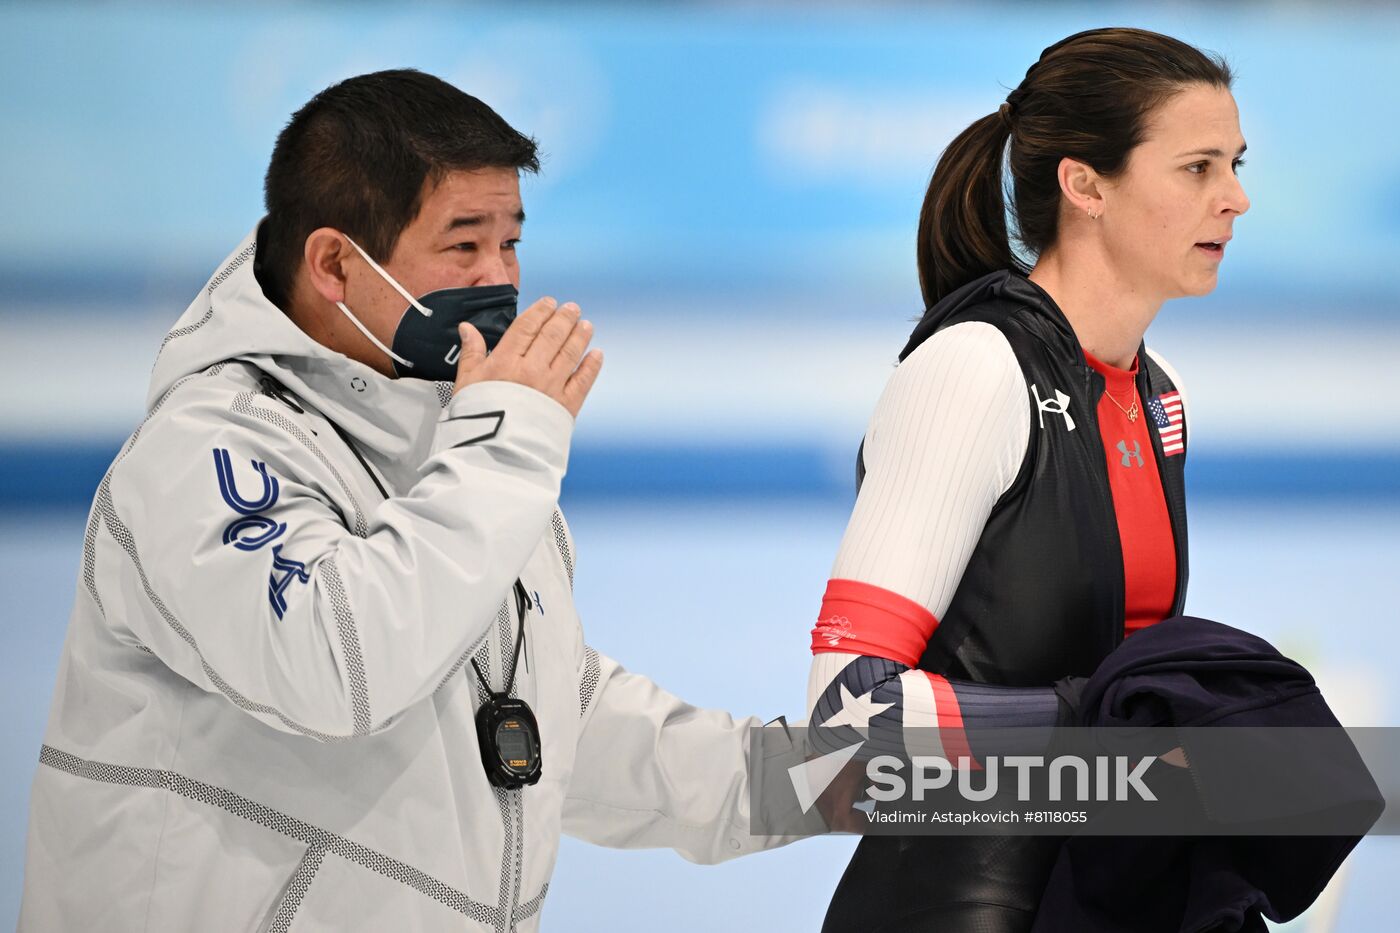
pixel 510 741
pixel 506 728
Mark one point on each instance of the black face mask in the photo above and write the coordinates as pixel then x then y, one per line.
pixel 432 345
pixel 426 342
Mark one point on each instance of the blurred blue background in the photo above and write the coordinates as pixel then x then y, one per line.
pixel 731 193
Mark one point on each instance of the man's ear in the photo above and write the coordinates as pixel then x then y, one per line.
pixel 1080 185
pixel 323 261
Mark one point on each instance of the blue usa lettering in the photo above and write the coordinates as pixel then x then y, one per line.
pixel 251 530
pixel 290 570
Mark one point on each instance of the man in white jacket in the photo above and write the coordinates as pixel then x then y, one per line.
pixel 303 577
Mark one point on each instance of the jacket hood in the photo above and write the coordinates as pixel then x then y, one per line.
pixel 232 319
pixel 1004 285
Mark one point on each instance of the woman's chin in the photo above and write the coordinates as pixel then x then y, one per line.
pixel 1199 285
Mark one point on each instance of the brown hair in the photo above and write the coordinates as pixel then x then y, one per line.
pixel 1088 98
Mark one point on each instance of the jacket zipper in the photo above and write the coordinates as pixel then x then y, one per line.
pixel 1174 496
pixel 515 799
pixel 498 655
pixel 1111 535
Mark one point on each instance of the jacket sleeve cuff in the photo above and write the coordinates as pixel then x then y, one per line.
pixel 506 414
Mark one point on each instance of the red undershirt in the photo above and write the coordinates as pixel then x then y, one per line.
pixel 1144 527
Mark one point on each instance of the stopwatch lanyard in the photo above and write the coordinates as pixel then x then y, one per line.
pixel 522 604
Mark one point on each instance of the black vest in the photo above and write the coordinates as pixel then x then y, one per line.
pixel 1042 598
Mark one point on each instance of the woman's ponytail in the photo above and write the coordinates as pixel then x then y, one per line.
pixel 962 227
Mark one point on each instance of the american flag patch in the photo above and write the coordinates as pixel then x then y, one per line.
pixel 1166 414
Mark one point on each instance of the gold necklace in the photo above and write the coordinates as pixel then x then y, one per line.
pixel 1131 411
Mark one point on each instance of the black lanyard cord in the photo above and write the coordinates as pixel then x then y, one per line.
pixel 522 604
pixel 358 456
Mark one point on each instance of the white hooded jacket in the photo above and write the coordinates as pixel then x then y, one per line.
pixel 264 715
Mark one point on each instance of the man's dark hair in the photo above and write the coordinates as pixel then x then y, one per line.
pixel 355 158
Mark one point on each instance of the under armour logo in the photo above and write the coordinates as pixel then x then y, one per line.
pixel 1130 455
pixel 1058 405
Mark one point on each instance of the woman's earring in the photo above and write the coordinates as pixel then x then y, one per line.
pixel 1092 215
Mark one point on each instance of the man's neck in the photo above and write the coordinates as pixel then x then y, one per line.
pixel 327 325
pixel 1108 313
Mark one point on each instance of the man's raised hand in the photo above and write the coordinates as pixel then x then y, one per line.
pixel 545 348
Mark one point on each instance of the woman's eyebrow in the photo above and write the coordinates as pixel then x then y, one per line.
pixel 1212 153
